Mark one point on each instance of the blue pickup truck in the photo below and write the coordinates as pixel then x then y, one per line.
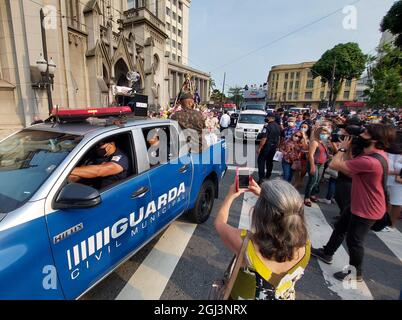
pixel 58 239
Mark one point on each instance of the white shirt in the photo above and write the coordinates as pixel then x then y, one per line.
pixel 394 164
pixel 225 121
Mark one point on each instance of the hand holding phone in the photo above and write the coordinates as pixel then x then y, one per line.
pixel 243 178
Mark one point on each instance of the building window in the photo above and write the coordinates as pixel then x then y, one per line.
pixel 291 84
pixel 285 85
pixel 346 95
pixel 173 44
pixel 179 59
pixel 174 30
pixel 173 57
pixel 167 11
pixel 168 42
pixel 310 84
pixel 289 96
pixel 175 2
pixel 179 32
pixel 292 75
pixel 132 4
pixel 308 95
pixel 297 84
pixel 180 6
pixel 309 74
pixel 179 46
pixel 296 96
pixel 168 26
pixel 73 11
pixel 180 19
pixel 284 97
pixel 297 75
pixel 174 16
pixel 276 87
pixel 348 83
pixel 286 76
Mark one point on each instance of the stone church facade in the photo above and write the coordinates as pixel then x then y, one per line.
pixel 94 44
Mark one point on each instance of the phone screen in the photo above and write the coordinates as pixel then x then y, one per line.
pixel 244 178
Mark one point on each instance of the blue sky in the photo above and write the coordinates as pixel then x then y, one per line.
pixel 222 31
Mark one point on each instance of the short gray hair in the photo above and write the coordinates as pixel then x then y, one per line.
pixel 278 221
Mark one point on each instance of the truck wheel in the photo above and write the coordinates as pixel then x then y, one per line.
pixel 205 201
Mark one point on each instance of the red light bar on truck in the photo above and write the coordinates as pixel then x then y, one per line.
pixel 91 112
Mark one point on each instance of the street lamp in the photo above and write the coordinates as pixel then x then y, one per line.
pixel 46 67
pixel 47 71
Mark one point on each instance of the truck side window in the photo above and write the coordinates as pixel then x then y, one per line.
pixel 123 156
pixel 162 144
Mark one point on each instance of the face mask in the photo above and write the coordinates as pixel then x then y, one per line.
pixel 363 143
pixel 324 137
pixel 101 153
pixel 291 124
pixel 304 129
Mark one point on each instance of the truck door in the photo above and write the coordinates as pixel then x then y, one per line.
pixel 170 175
pixel 88 243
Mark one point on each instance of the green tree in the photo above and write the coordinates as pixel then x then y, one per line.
pixel 348 62
pixel 236 95
pixel 393 22
pixel 385 87
pixel 217 96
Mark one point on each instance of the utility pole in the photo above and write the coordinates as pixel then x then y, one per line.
pixel 44 46
pixel 332 88
pixel 223 88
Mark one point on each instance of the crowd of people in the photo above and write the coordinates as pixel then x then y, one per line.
pixel 359 156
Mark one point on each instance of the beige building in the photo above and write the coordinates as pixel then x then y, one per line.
pixel 94 43
pixel 294 85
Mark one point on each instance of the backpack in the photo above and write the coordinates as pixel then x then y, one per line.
pixel 385 221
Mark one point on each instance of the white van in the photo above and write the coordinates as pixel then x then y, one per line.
pixel 249 125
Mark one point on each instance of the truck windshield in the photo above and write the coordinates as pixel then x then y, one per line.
pixel 27 159
pixel 254 107
pixel 252 119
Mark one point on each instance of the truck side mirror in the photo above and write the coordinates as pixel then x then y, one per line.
pixel 77 196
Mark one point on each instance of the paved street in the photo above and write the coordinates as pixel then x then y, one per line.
pixel 183 262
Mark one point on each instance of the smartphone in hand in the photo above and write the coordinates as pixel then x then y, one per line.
pixel 243 178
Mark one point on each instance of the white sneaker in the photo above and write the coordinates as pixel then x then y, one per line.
pixel 388 229
pixel 326 201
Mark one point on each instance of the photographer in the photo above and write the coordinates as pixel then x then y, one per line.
pixel 343 191
pixel 278 250
pixel 368 203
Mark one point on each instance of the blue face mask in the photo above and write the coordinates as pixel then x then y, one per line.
pixel 324 137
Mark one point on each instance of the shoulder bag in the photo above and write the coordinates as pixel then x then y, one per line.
pixel 222 288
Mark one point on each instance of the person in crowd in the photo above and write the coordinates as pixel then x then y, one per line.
pixel 279 248
pixel 307 119
pixel 267 149
pixel 292 153
pixel 290 129
pixel 299 121
pixel 224 121
pixel 368 202
pixel 279 114
pixel 317 157
pixel 300 174
pixel 393 184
